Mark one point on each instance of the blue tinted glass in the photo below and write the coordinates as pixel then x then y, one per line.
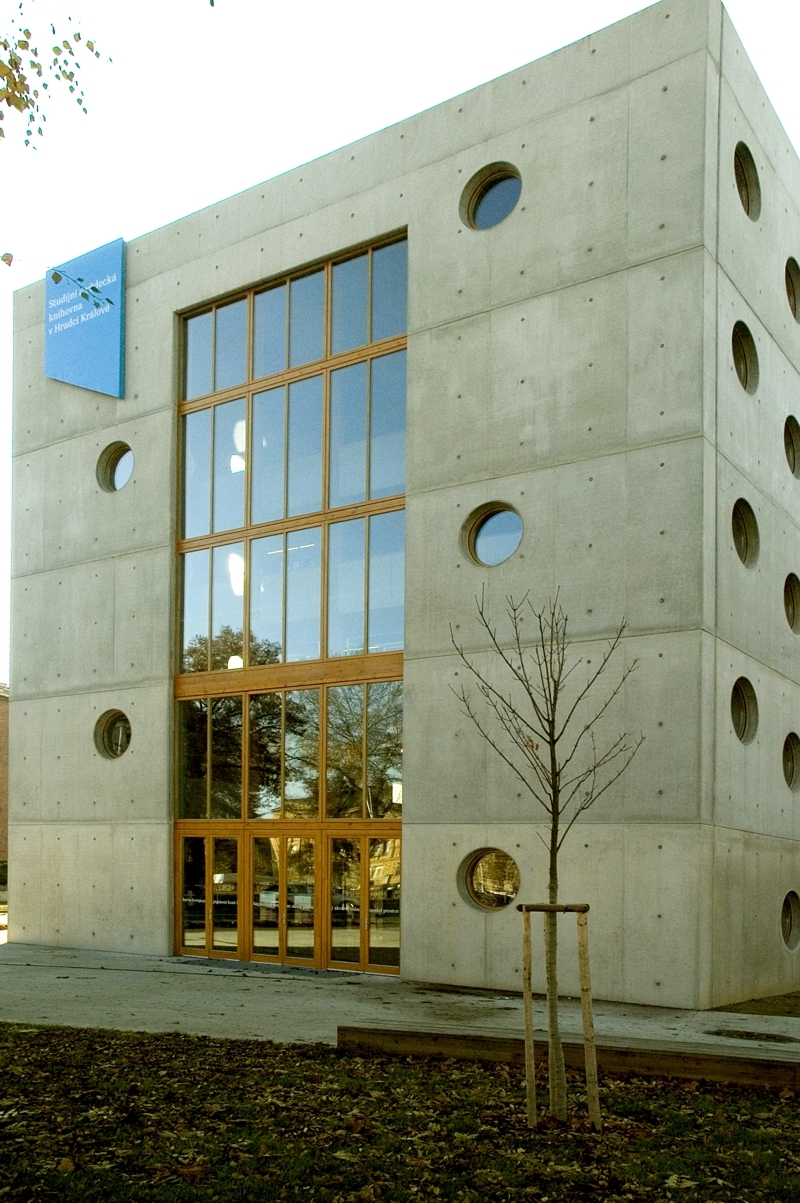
pixel 305 319
pixel 230 452
pixel 348 463
pixel 194 639
pixel 269 422
pixel 197 473
pixel 386 577
pixel 349 321
pixel 230 348
pixel 387 453
pixel 305 446
pixel 269 332
pixel 346 588
pixel 498 537
pixel 266 600
pixel 497 202
pixel 227 606
pixel 303 594
pixel 198 356
pixel 389 291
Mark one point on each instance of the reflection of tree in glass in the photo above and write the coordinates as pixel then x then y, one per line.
pixel 265 755
pixel 226 758
pixel 384 748
pixel 345 736
pixel 224 645
pixel 193 759
pixel 301 773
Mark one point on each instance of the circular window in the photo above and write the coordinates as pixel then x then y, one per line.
pixel 791 601
pixel 745 532
pixel 114 467
pixel 112 734
pixel 791 760
pixel 745 357
pixel 744 710
pixel 490 196
pixel 790 920
pixel 791 444
pixel 490 878
pixel 493 533
pixel 747 181
pixel 793 287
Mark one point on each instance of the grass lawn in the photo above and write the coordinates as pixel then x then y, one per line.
pixel 102 1116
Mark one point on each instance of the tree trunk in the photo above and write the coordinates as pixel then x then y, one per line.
pixel 555 1060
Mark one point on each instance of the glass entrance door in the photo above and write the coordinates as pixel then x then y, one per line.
pixel 283 885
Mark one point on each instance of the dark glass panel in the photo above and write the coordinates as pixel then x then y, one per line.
pixel 266 600
pixel 345 736
pixel 264 787
pixel 385 749
pixel 194 892
pixel 303 562
pixel 198 355
pixel 387 453
pixel 301 767
pixel 266 896
pixel 305 446
pixel 194 639
pixel 348 457
pixel 300 898
pixel 269 332
pixel 384 902
pixel 269 448
pixel 346 588
pixel 230 348
pixel 225 896
pixel 386 578
pixel 197 473
pixel 306 304
pixel 389 291
pixel 227 606
pixel 193 759
pixel 226 758
pixel 229 465
pixel 349 320
pixel 346 900
pixel 497 202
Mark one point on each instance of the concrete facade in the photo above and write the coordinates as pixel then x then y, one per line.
pixel 574 361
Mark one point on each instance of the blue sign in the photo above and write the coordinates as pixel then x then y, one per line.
pixel 85 321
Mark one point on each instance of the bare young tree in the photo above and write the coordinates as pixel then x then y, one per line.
pixel 541 721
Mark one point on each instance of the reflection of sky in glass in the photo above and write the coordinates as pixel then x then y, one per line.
pixel 229 441
pixel 305 446
pixel 302 594
pixel 387 455
pixel 349 319
pixel 195 598
pixel 346 588
pixel 198 355
pixel 386 581
pixel 266 595
pixel 269 420
pixel 231 345
pixel 497 202
pixel 269 332
pixel 498 537
pixel 348 456
pixel 123 469
pixel 227 588
pixel 197 473
pixel 389 290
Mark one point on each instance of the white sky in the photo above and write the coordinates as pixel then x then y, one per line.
pixel 202 102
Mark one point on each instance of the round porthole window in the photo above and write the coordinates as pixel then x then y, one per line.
pixel 747 184
pixel 745 357
pixel 744 710
pixel 493 534
pixel 791 761
pixel 791 444
pixel 745 532
pixel 790 920
pixel 489 878
pixel 490 196
pixel 792 278
pixel 112 734
pixel 115 467
pixel 791 601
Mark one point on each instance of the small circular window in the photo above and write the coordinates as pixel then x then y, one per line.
pixel 791 601
pixel 745 532
pixel 791 760
pixel 744 710
pixel 745 357
pixel 793 287
pixel 115 467
pixel 790 920
pixel 490 878
pixel 791 444
pixel 747 183
pixel 490 196
pixel 112 734
pixel 493 534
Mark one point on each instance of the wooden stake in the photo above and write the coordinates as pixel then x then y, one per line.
pixel 527 999
pixel 590 1052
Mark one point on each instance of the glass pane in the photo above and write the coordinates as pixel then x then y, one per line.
pixel 264 788
pixel 269 332
pixel 194 892
pixel 266 890
pixel 266 600
pixel 389 290
pixel 497 202
pixel 346 588
pixel 192 759
pixel 194 639
pixel 300 898
pixel 349 322
pixel 225 896
pixel 269 422
pixel 230 350
pixel 198 355
pixel 227 601
pixel 498 537
pixel 387 452
pixel 305 446
pixel 384 902
pixel 386 577
pixel 197 474
pixel 306 300
pixel 226 758
pixel 303 562
pixel 301 757
pixel 348 457
pixel 230 429
pixel 345 735
pixel 345 900
pixel 385 749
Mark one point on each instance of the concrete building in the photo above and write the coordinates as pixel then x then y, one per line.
pixel 612 367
